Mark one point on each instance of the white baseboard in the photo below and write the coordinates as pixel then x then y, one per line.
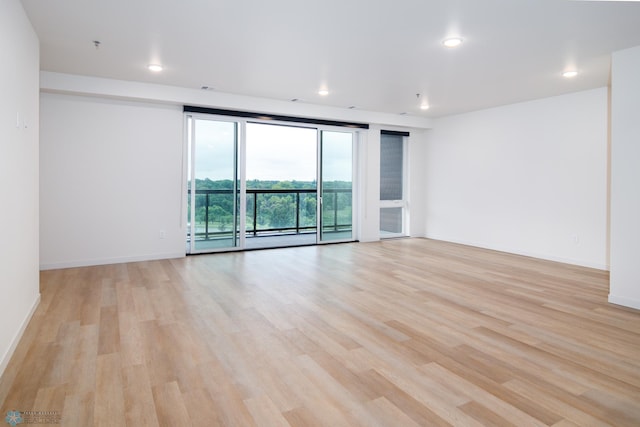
pixel 581 263
pixel 624 301
pixel 105 261
pixel 16 339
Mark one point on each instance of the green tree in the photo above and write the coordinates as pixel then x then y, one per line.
pixel 219 215
pixel 280 211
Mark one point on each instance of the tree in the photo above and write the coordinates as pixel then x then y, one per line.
pixel 279 211
pixel 219 215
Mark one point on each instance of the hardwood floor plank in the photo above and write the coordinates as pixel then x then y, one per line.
pixel 482 397
pixel 485 415
pixel 156 357
pixel 90 299
pixel 170 406
pixel 555 404
pixel 402 400
pixel 78 410
pixel 356 384
pixel 439 399
pixel 109 396
pixel 140 409
pixel 230 407
pixel 108 336
pixel 338 395
pixel 465 368
pixel 82 376
pixel 265 413
pixel 624 410
pixel 387 414
pixel 566 423
pixel 50 399
pixel 302 417
pixel 143 304
pixel 201 408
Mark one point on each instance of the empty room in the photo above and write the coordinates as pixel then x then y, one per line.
pixel 410 213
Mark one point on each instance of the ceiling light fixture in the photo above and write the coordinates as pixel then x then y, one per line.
pixel 452 42
pixel 424 105
pixel 323 92
pixel 570 74
pixel 156 68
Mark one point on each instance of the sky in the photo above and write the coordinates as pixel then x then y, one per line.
pixel 281 153
pixel 274 153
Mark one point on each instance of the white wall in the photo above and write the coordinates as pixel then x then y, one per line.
pixel 625 178
pixel 110 180
pixel 417 197
pixel 528 178
pixel 369 185
pixel 19 289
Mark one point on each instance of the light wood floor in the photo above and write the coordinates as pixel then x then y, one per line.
pixel 398 333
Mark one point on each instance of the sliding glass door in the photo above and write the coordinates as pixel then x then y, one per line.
pixel 255 184
pixel 336 186
pixel 212 186
pixel 281 186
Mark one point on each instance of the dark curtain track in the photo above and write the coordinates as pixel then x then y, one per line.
pixel 262 116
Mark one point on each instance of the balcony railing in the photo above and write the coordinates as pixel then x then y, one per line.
pixel 204 229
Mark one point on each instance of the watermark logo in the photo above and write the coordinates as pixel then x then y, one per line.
pixel 14 418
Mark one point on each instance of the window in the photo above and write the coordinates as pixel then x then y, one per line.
pixel 393 205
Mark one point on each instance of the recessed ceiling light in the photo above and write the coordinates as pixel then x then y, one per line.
pixel 452 42
pixel 323 92
pixel 569 74
pixel 156 68
pixel 424 106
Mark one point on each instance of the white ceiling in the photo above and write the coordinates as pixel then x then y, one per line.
pixel 372 54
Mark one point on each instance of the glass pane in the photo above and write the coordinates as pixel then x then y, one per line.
pixel 337 186
pixel 281 185
pixel 391 173
pixel 390 221
pixel 215 172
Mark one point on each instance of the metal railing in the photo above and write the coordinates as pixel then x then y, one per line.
pixel 253 208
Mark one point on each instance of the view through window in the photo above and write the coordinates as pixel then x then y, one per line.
pixel 281 195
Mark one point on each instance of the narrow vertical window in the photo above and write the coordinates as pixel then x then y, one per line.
pixel 393 206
